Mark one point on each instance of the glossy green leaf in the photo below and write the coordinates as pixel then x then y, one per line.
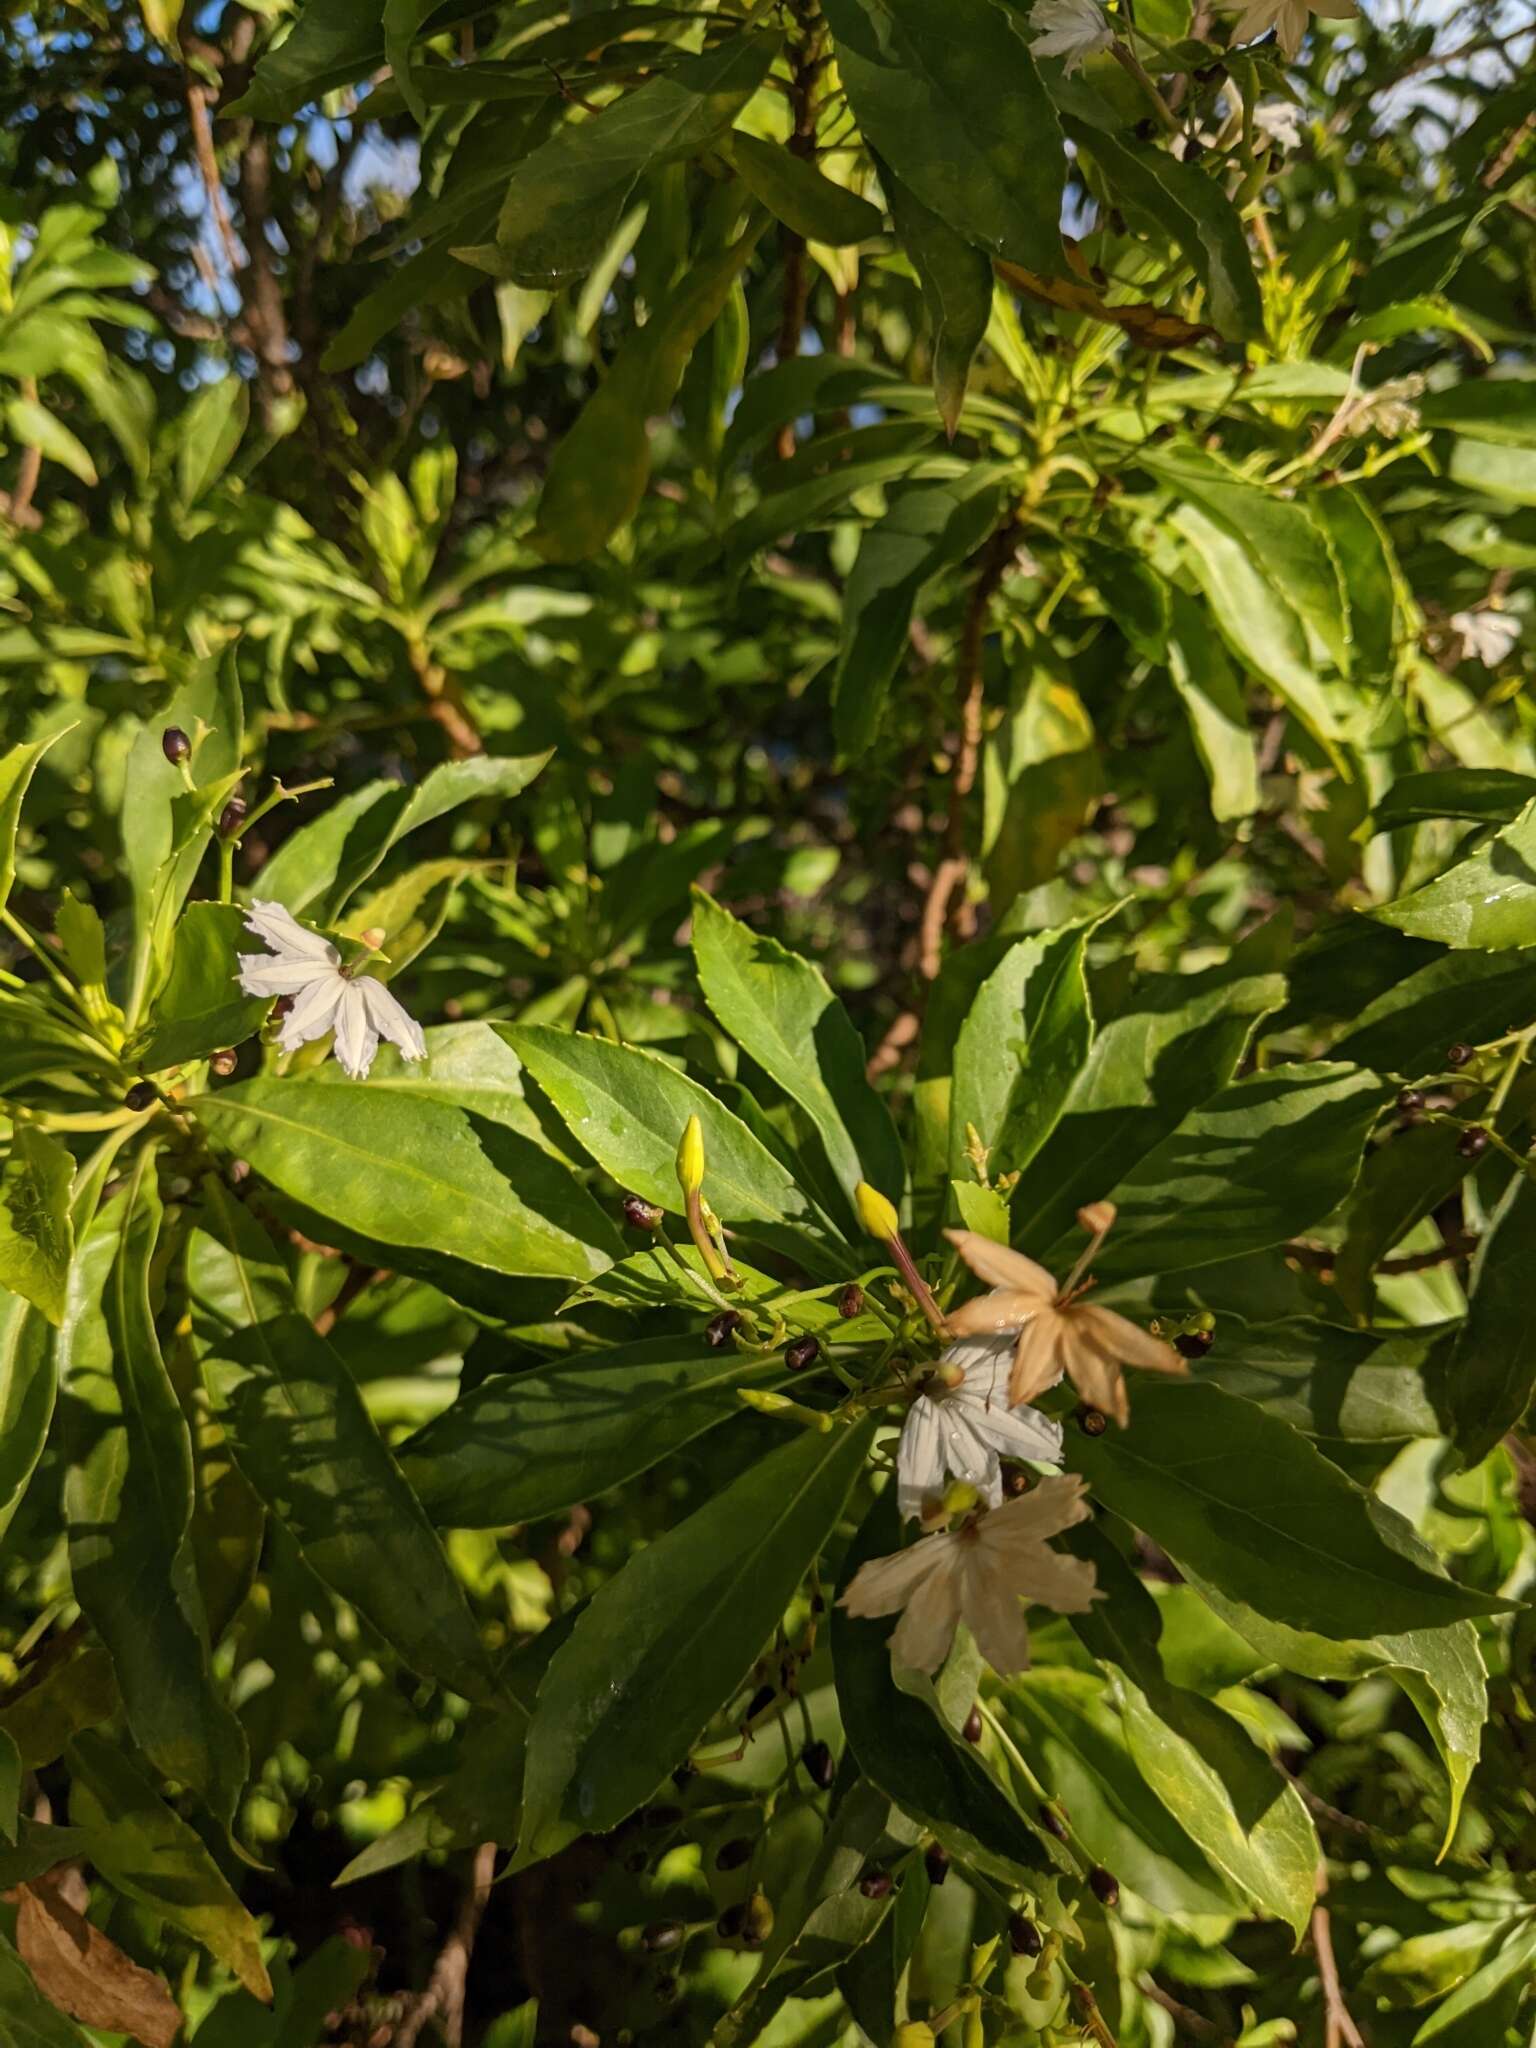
pixel 36 1233
pixel 796 193
pixel 599 473
pixel 564 201
pixel 1484 901
pixel 1180 1038
pixel 947 92
pixel 929 527
pixel 128 1502
pixel 628 1109
pixel 332 43
pixel 905 1748
pixel 1498 408
pixel 200 1009
pixel 1486 2003
pixel 410 1170
pixel 34 426
pixel 209 433
pixel 779 1009
pixel 27 1383
pixel 1366 1386
pixel 301 1436
pixel 1408 1028
pixel 1492 1371
pixel 528 1444
pixel 151 1855
pixel 1238 1806
pixel 16 771
pixel 1484 796
pixel 956 278
pixel 1253 1509
pixel 320 867
pixel 1218 715
pixel 663 1644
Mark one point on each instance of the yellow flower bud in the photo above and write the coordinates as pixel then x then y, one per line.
pixel 373 938
pixel 915 2034
pixel 1097 1217
pixel 690 1157
pixel 960 1498
pixel 877 1215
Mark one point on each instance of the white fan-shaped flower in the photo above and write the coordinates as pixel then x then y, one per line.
pixel 1486 636
pixel 327 996
pixel 979 1574
pixel 1288 19
pixel 966 1430
pixel 1280 122
pixel 1070 29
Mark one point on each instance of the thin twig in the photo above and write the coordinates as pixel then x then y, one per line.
pixel 28 469
pixel 208 167
pixel 1340 2030
pixel 443 1999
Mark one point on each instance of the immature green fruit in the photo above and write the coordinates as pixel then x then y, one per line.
pixel 757 1922
pixel 915 2034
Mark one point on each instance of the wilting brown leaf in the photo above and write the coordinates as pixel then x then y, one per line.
pixel 1148 326
pixel 77 1969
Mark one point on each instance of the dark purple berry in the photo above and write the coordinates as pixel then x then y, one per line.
pixel 936 1862
pixel 717 1333
pixel 820 1764
pixel 1015 1481
pixel 175 745
pixel 662 1935
pixel 1091 1421
pixel 876 1884
pixel 1023 1936
pixel 641 1215
pixel 760 1702
pixel 141 1095
pixel 232 817
pixel 803 1352
pixel 1053 1820
pixel 850 1302
pixel 1194 1343
pixel 661 1816
pixel 731 1922
pixel 972 1729
pixel 1472 1143
pixel 731 1855
pixel 1105 1887
pixel 224 1062
pixel 1459 1054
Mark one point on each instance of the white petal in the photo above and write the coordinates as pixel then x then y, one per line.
pixel 1000 1266
pixel 313 1014
pixel 1126 1343
pixel 1013 1432
pixel 1020 1525
pixel 919 1458
pixel 390 1020
pixel 990 1605
pixel 1005 1308
pixel 356 1039
pixel 924 1633
pixel 280 974
pixel 284 934
pixel 967 1453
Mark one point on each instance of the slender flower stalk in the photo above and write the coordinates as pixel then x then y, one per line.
pixel 878 1216
pixel 703 1224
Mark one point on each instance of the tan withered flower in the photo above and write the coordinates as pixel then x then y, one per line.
pixel 1058 1332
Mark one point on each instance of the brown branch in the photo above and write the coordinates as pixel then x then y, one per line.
pixel 208 167
pixel 1192 2022
pixel 358 1277
pixel 443 1999
pixel 445 703
pixel 1339 2030
pixel 261 286
pixel 797 285
pixel 29 468
pixel 900 1033
pixel 947 877
pixel 1093 2021
pixel 1321 1259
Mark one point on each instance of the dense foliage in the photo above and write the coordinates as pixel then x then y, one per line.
pixel 705 705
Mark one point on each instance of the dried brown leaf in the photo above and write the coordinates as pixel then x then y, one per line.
pixel 87 1976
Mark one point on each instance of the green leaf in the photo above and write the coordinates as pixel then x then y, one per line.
pixel 948 94
pixel 908 1750
pixel 1440 1669
pixel 1245 1815
pixel 39 1848
pixel 27 1386
pixel 36 1234
pixel 930 527
pixel 524 1445
pixel 1365 1386
pixel 78 1693
pixel 797 194
pixel 128 1502
pixel 331 43
pixel 316 870
pixel 664 1643
pixel 1492 1371
pixel 35 427
pixel 1251 1508
pixel 299 1433
pixel 1180 1038
pixel 1067 1725
pixel 565 200
pixel 10 1785
pixel 1495 469
pixel 599 473
pixel 200 1009
pixel 16 771
pixel 1472 996
pixel 1264 1158
pixel 1485 796
pixel 628 1109
pixel 1485 2005
pixel 1182 202
pixel 779 1009
pixel 1484 901
pixel 409 1170
pixel 208 434
pixel 1498 408
pixel 957 288
pixel 151 1855
pixel 1218 712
